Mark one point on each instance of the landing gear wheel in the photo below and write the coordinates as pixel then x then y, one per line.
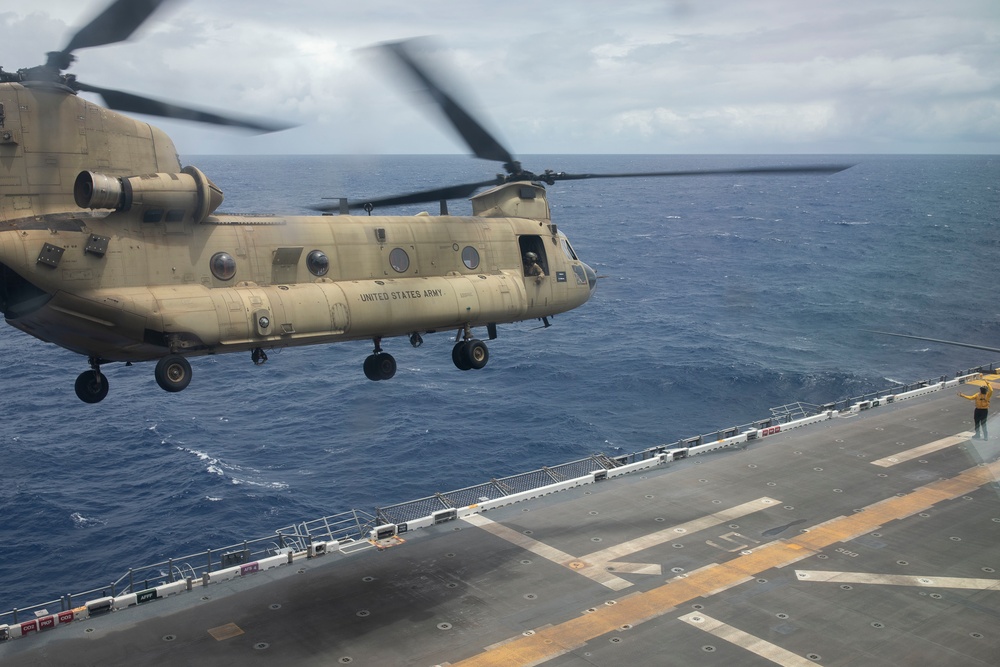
pixel 91 386
pixel 380 366
pixel 477 353
pixel 173 373
pixel 459 356
pixel 469 354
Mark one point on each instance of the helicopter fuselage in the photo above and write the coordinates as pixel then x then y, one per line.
pixel 123 290
pixel 109 248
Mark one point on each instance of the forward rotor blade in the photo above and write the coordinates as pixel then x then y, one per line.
pixel 129 102
pixel 115 24
pixel 482 144
pixel 936 340
pixel 550 177
pixel 461 191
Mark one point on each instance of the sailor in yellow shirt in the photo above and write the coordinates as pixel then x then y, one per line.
pixel 982 400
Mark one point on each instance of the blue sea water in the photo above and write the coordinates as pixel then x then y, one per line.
pixel 720 297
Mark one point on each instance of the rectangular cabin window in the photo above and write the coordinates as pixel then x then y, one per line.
pixel 380 234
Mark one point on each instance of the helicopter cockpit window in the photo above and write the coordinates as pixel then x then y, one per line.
pixel 399 260
pixel 567 248
pixel 318 263
pixel 470 257
pixel 223 265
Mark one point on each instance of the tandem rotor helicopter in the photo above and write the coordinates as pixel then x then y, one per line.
pixel 111 249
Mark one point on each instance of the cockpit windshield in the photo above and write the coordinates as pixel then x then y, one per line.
pixel 567 248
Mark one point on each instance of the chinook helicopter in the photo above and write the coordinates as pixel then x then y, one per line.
pixel 111 249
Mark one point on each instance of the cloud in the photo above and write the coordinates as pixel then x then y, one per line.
pixel 642 76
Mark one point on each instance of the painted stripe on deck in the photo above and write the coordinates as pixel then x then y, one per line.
pixel 595 565
pixel 821 576
pixel 554 640
pixel 519 539
pixel 922 450
pixel 761 647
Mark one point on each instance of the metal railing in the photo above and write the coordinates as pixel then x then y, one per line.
pixel 495 488
pixel 348 526
pixel 353 527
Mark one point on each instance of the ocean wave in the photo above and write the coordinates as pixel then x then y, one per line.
pixel 80 521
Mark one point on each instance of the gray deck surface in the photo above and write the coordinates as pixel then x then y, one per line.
pixel 796 550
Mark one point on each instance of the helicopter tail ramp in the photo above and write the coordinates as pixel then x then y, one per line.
pixel 868 535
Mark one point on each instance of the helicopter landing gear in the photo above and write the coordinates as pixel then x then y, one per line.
pixel 379 365
pixel 92 386
pixel 470 353
pixel 173 373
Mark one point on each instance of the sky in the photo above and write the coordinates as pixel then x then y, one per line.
pixel 580 76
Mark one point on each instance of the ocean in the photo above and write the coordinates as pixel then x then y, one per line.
pixel 720 297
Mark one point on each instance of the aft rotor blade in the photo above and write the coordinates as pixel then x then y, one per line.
pixel 115 24
pixel 802 169
pixel 129 102
pixel 482 144
pixel 937 340
pixel 451 192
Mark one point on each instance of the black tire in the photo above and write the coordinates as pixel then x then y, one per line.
pixel 370 371
pixel 477 353
pixel 460 357
pixel 385 365
pixel 173 373
pixel 381 366
pixel 91 386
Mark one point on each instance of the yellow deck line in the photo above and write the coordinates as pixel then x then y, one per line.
pixel 556 640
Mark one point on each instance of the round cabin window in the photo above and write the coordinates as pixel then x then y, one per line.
pixel 318 263
pixel 223 265
pixel 470 257
pixel 399 260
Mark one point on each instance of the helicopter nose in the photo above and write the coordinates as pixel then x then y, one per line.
pixel 591 276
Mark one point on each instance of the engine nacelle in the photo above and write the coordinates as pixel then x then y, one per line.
pixel 172 198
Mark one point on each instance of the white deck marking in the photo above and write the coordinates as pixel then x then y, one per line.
pixel 552 640
pixel 519 539
pixel 638 568
pixel 821 576
pixel 600 566
pixel 920 451
pixel 761 647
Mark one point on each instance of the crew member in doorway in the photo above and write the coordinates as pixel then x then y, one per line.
pixel 532 267
pixel 982 399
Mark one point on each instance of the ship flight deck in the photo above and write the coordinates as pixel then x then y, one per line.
pixel 868 538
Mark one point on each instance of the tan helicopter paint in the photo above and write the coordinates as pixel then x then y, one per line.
pixel 49 135
pixel 136 283
pixel 141 277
